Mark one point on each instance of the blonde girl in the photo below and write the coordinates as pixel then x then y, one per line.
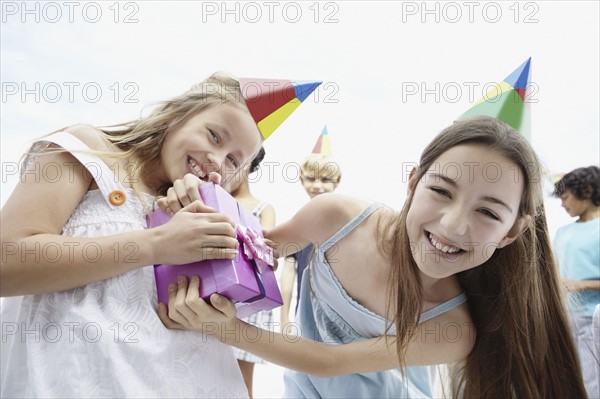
pixel 81 320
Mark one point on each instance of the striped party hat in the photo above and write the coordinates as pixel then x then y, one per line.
pixel 323 144
pixel 506 101
pixel 271 101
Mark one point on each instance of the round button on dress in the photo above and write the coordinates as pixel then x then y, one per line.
pixel 117 197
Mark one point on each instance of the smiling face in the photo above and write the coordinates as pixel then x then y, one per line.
pixel 317 185
pixel 463 208
pixel 319 174
pixel 219 139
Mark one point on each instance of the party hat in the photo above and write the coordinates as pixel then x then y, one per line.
pixel 555 177
pixel 323 144
pixel 506 101
pixel 271 101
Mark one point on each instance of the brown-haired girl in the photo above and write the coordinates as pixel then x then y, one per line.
pixel 463 274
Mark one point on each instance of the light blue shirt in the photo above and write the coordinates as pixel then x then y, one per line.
pixel 577 251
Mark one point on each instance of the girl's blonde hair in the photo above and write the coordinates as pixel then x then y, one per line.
pixel 319 165
pixel 142 139
pixel 523 346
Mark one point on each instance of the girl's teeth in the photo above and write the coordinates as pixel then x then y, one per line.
pixel 196 169
pixel 444 248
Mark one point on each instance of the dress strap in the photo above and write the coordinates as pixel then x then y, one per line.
pixel 259 208
pixel 111 189
pixel 350 226
pixel 443 308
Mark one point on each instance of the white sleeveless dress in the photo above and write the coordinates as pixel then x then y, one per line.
pixel 105 339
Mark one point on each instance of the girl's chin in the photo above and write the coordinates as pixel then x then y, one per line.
pixel 436 275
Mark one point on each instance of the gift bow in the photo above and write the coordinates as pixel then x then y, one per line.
pixel 255 248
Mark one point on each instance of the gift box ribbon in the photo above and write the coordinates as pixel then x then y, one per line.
pixel 255 248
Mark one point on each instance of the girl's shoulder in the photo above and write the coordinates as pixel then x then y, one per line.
pixel 328 213
pixel 92 137
pixel 337 207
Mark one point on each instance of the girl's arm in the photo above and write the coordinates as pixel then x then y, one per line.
pixel 444 339
pixel 581 285
pixel 37 259
pixel 288 276
pixel 315 222
pixel 267 217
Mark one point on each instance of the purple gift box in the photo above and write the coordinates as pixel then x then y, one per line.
pixel 249 287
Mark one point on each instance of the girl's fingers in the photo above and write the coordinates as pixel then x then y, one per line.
pixel 221 229
pixel 214 177
pixel 274 246
pixel 173 200
pixel 183 196
pixel 220 217
pixel 223 305
pixel 180 301
pixel 220 242
pixel 173 313
pixel 162 204
pixel 193 300
pixel 198 207
pixel 164 317
pixel 190 184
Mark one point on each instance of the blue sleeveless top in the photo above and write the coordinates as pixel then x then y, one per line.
pixel 328 314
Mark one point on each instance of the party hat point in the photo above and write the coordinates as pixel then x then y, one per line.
pixel 323 144
pixel 506 101
pixel 272 101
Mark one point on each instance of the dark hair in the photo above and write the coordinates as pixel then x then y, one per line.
pixel 257 160
pixel 584 183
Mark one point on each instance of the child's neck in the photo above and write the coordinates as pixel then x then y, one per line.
pixel 436 290
pixel 593 212
pixel 243 191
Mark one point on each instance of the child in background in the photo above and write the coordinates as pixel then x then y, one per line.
pixel 76 247
pixel 240 190
pixel 319 174
pixel 577 250
pixel 390 290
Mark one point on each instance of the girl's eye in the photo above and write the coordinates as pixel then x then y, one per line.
pixel 441 191
pixel 214 136
pixel 233 161
pixel 489 214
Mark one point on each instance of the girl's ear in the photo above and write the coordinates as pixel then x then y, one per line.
pixel 520 226
pixel 412 179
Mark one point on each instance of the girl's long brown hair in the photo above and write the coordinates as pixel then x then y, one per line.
pixel 523 347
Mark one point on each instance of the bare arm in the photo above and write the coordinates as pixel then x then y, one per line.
pixel 187 311
pixel 37 259
pixel 581 285
pixel 267 217
pixel 288 275
pixel 315 222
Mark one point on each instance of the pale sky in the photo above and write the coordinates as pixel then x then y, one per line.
pixel 394 75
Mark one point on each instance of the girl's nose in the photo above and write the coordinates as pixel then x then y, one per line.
pixel 215 163
pixel 455 221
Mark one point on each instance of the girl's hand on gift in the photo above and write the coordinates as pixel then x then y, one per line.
pixel 186 311
pixel 275 248
pixel 184 192
pixel 192 236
